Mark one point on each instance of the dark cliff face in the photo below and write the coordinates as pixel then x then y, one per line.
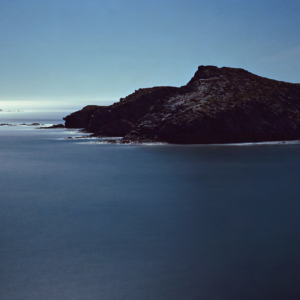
pixel 218 105
pixel 81 118
pixel 120 118
pixel 225 105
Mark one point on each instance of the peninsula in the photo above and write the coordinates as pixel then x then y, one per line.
pixel 218 105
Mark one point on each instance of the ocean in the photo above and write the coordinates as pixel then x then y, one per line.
pixel 86 221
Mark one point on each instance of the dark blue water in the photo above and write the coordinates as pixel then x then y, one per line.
pixel 86 221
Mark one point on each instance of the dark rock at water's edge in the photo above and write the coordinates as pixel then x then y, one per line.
pixel 32 124
pixel 119 118
pixel 81 118
pixel 218 105
pixel 53 126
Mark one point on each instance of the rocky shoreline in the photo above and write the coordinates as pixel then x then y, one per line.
pixel 218 105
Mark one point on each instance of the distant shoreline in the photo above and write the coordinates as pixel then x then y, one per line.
pixel 11 111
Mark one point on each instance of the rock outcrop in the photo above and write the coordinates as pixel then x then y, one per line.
pixel 81 118
pixel 120 118
pixel 218 105
pixel 55 126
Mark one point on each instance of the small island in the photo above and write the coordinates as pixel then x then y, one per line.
pixel 218 105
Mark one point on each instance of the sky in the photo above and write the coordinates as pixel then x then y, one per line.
pixel 75 52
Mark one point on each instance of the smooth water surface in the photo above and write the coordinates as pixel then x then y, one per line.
pixel 162 222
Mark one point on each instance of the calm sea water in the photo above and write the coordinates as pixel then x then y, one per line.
pixel 166 222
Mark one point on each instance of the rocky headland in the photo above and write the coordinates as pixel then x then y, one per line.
pixel 218 105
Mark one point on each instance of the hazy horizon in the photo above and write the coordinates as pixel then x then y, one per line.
pixel 52 104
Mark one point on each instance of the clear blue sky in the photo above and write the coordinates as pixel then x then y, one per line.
pixel 76 51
